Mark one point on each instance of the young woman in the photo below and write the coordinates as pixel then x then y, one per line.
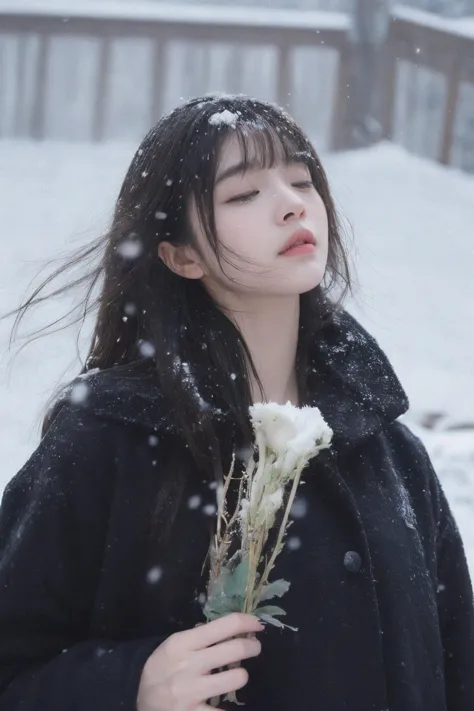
pixel 203 309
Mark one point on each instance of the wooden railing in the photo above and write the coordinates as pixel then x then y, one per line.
pixel 160 24
pixel 438 44
pixel 415 37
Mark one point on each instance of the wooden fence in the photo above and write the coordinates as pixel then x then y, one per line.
pixel 442 46
pixel 414 38
pixel 161 24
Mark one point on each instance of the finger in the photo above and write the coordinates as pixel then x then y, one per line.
pixel 218 684
pixel 221 655
pixel 224 628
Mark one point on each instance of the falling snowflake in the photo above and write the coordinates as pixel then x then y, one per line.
pixel 147 349
pixel 194 502
pixel 209 509
pixel 154 575
pixel 294 543
pixel 299 508
pixel 130 308
pixel 79 393
pixel 130 249
pixel 159 215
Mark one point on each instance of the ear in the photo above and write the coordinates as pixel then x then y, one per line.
pixel 181 259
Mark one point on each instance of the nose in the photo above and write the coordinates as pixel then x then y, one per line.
pixel 290 206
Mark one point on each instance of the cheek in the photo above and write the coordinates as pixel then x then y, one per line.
pixel 237 229
pixel 320 217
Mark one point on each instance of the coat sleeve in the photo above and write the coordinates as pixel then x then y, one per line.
pixel 456 610
pixel 53 522
pixel 454 587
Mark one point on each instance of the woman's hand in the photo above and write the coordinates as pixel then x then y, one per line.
pixel 177 676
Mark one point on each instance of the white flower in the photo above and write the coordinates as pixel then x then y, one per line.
pixel 292 434
pixel 269 505
pixel 244 510
pixel 272 502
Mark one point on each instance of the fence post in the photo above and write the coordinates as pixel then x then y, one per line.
pixel 103 71
pixel 340 130
pixel 37 118
pixel 387 84
pixel 369 22
pixel 284 76
pixel 452 80
pixel 158 79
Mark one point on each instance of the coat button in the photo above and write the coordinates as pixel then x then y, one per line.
pixel 352 562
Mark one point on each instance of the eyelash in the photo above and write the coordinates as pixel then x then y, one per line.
pixel 246 197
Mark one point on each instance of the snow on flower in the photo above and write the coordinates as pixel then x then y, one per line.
pixel 244 510
pixel 292 434
pixel 269 505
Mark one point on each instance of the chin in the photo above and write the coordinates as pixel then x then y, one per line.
pixel 309 281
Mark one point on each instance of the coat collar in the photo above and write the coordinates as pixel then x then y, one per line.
pixel 352 383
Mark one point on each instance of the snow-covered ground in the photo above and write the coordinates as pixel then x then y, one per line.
pixel 414 251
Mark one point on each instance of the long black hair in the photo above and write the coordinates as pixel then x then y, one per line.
pixel 146 310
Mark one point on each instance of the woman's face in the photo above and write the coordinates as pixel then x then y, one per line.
pixel 257 211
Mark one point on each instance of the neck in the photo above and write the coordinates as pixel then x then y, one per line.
pixel 270 330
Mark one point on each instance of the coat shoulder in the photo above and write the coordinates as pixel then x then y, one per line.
pixel 415 466
pixel 74 460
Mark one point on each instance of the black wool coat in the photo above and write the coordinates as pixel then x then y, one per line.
pixel 380 589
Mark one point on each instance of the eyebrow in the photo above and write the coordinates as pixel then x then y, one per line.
pixel 243 167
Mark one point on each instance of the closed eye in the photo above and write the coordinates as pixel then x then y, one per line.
pixel 244 197
pixel 304 185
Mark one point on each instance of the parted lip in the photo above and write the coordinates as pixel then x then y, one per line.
pixel 301 235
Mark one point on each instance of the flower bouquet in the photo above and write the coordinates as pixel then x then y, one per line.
pixel 286 438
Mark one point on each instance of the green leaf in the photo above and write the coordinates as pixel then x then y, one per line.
pixel 270 610
pixel 276 623
pixel 236 582
pixel 222 605
pixel 219 585
pixel 276 589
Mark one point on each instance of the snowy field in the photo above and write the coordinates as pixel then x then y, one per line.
pixel 413 249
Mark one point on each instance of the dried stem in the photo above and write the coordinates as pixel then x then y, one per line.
pixel 256 486
pixel 221 503
pixel 281 534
